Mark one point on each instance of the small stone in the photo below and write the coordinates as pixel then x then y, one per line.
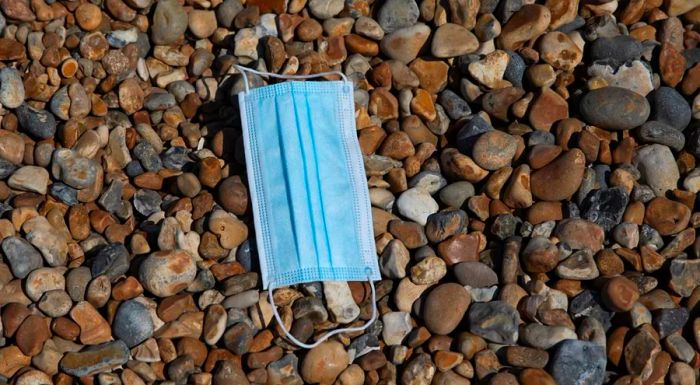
pixel 32 334
pixel 670 107
pixel 340 302
pixel 396 326
pixel 489 71
pixel 620 48
pixel 202 23
pixel 394 259
pixel 560 178
pixel 417 205
pixel 614 108
pixel 11 88
pixel 169 22
pixel 578 363
pixel 605 207
pixel 55 303
pixel 526 24
pixel 639 354
pixel 405 43
pixel 634 76
pixel 667 216
pixel 495 321
pixel 96 359
pixel 475 275
pixel 494 150
pixel 444 308
pixel 30 178
pixel 620 294
pixel 661 133
pixel 93 328
pixel 324 363
pixel 580 234
pixel 397 14
pixel 165 273
pixel 325 9
pixel 132 323
pixel 685 276
pixel 557 49
pixel 452 40
pixel 22 257
pixel 42 235
pixel 657 167
pixel 669 321
pixel 428 271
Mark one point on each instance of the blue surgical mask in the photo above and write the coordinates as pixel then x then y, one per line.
pixel 308 187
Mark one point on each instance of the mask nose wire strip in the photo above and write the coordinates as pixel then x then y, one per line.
pixel 274 75
pixel 329 334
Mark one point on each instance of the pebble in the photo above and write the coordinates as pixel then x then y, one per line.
pixel 132 323
pixel 397 14
pixel 657 168
pixel 614 108
pixel 669 107
pixel 11 88
pixel 324 363
pixel 396 326
pixel 38 123
pixel 661 133
pixel 404 44
pixel 169 22
pixel 93 360
pixel 22 257
pixel 451 40
pixel 560 178
pixel 445 307
pixel 494 321
pixel 165 273
pixel 417 205
pixel 578 362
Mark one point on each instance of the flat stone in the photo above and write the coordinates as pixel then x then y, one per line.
pixel 614 108
pixel 95 359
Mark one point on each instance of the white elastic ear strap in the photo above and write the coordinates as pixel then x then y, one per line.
pixel 329 334
pixel 243 70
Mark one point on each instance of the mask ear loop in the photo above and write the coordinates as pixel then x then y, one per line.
pixel 243 70
pixel 329 334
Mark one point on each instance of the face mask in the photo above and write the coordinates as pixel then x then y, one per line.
pixel 308 187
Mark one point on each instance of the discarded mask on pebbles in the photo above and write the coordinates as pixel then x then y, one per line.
pixel 532 170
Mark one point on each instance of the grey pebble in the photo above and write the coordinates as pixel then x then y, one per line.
pixel 132 323
pixel 21 255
